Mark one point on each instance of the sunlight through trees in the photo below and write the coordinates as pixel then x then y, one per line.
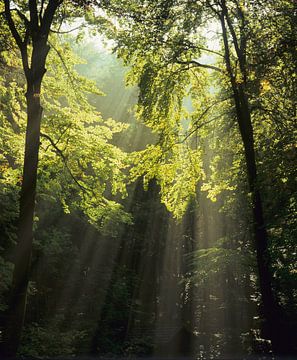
pixel 148 178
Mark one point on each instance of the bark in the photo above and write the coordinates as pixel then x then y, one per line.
pixel 17 306
pixel 34 75
pixel 269 306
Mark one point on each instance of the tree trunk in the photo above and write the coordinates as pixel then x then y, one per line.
pixel 269 306
pixel 37 29
pixel 261 239
pixel 275 327
pixel 17 305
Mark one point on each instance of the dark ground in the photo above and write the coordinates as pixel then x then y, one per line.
pixel 260 357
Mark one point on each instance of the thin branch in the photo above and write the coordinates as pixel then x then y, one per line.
pixel 63 132
pixel 213 9
pixel 210 51
pixel 198 126
pixel 193 131
pixel 11 24
pixel 168 148
pixel 62 20
pixel 22 16
pixel 182 69
pixel 68 31
pixel 59 152
pixel 188 45
pixel 22 45
pixel 61 135
pixel 210 107
pixel 234 38
pixel 198 64
pixel 63 63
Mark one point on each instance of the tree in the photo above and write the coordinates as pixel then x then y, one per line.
pixel 36 30
pixel 31 35
pixel 163 41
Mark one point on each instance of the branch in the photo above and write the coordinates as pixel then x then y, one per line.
pixel 210 51
pixel 33 17
pixel 188 45
pixel 23 17
pixel 68 31
pixel 238 49
pixel 11 24
pixel 198 64
pixel 198 126
pixel 227 52
pixel 59 152
pixel 213 9
pixel 40 11
pixel 48 17
pixel 21 44
pixel 63 63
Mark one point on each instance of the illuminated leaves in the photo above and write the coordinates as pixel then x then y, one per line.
pixel 177 171
pixel 78 164
pixel 77 156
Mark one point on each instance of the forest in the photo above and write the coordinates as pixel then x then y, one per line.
pixel 148 179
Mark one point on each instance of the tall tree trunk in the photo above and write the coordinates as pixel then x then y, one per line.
pixel 35 37
pixel 269 306
pixel 22 260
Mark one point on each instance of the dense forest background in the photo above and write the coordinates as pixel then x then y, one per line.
pixel 165 210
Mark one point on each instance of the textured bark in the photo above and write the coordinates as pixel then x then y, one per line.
pixel 21 272
pixel 269 308
pixel 34 69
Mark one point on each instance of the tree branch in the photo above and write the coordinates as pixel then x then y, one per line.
pixel 198 126
pixel 11 24
pixel 227 51
pixel 33 17
pixel 68 31
pixel 213 9
pixel 63 63
pixel 21 44
pixel 198 64
pixel 40 11
pixel 234 38
pixel 60 152
pixel 210 51
pixel 48 16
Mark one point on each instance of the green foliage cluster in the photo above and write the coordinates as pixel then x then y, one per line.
pixel 49 340
pixel 70 120
pixel 164 53
pixel 81 173
pixel 192 154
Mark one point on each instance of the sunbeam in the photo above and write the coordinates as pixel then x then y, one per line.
pixel 148 179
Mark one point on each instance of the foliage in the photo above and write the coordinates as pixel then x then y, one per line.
pixel 208 262
pixel 255 82
pixel 79 167
pixel 189 145
pixel 6 276
pixel 46 341
pixel 70 120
